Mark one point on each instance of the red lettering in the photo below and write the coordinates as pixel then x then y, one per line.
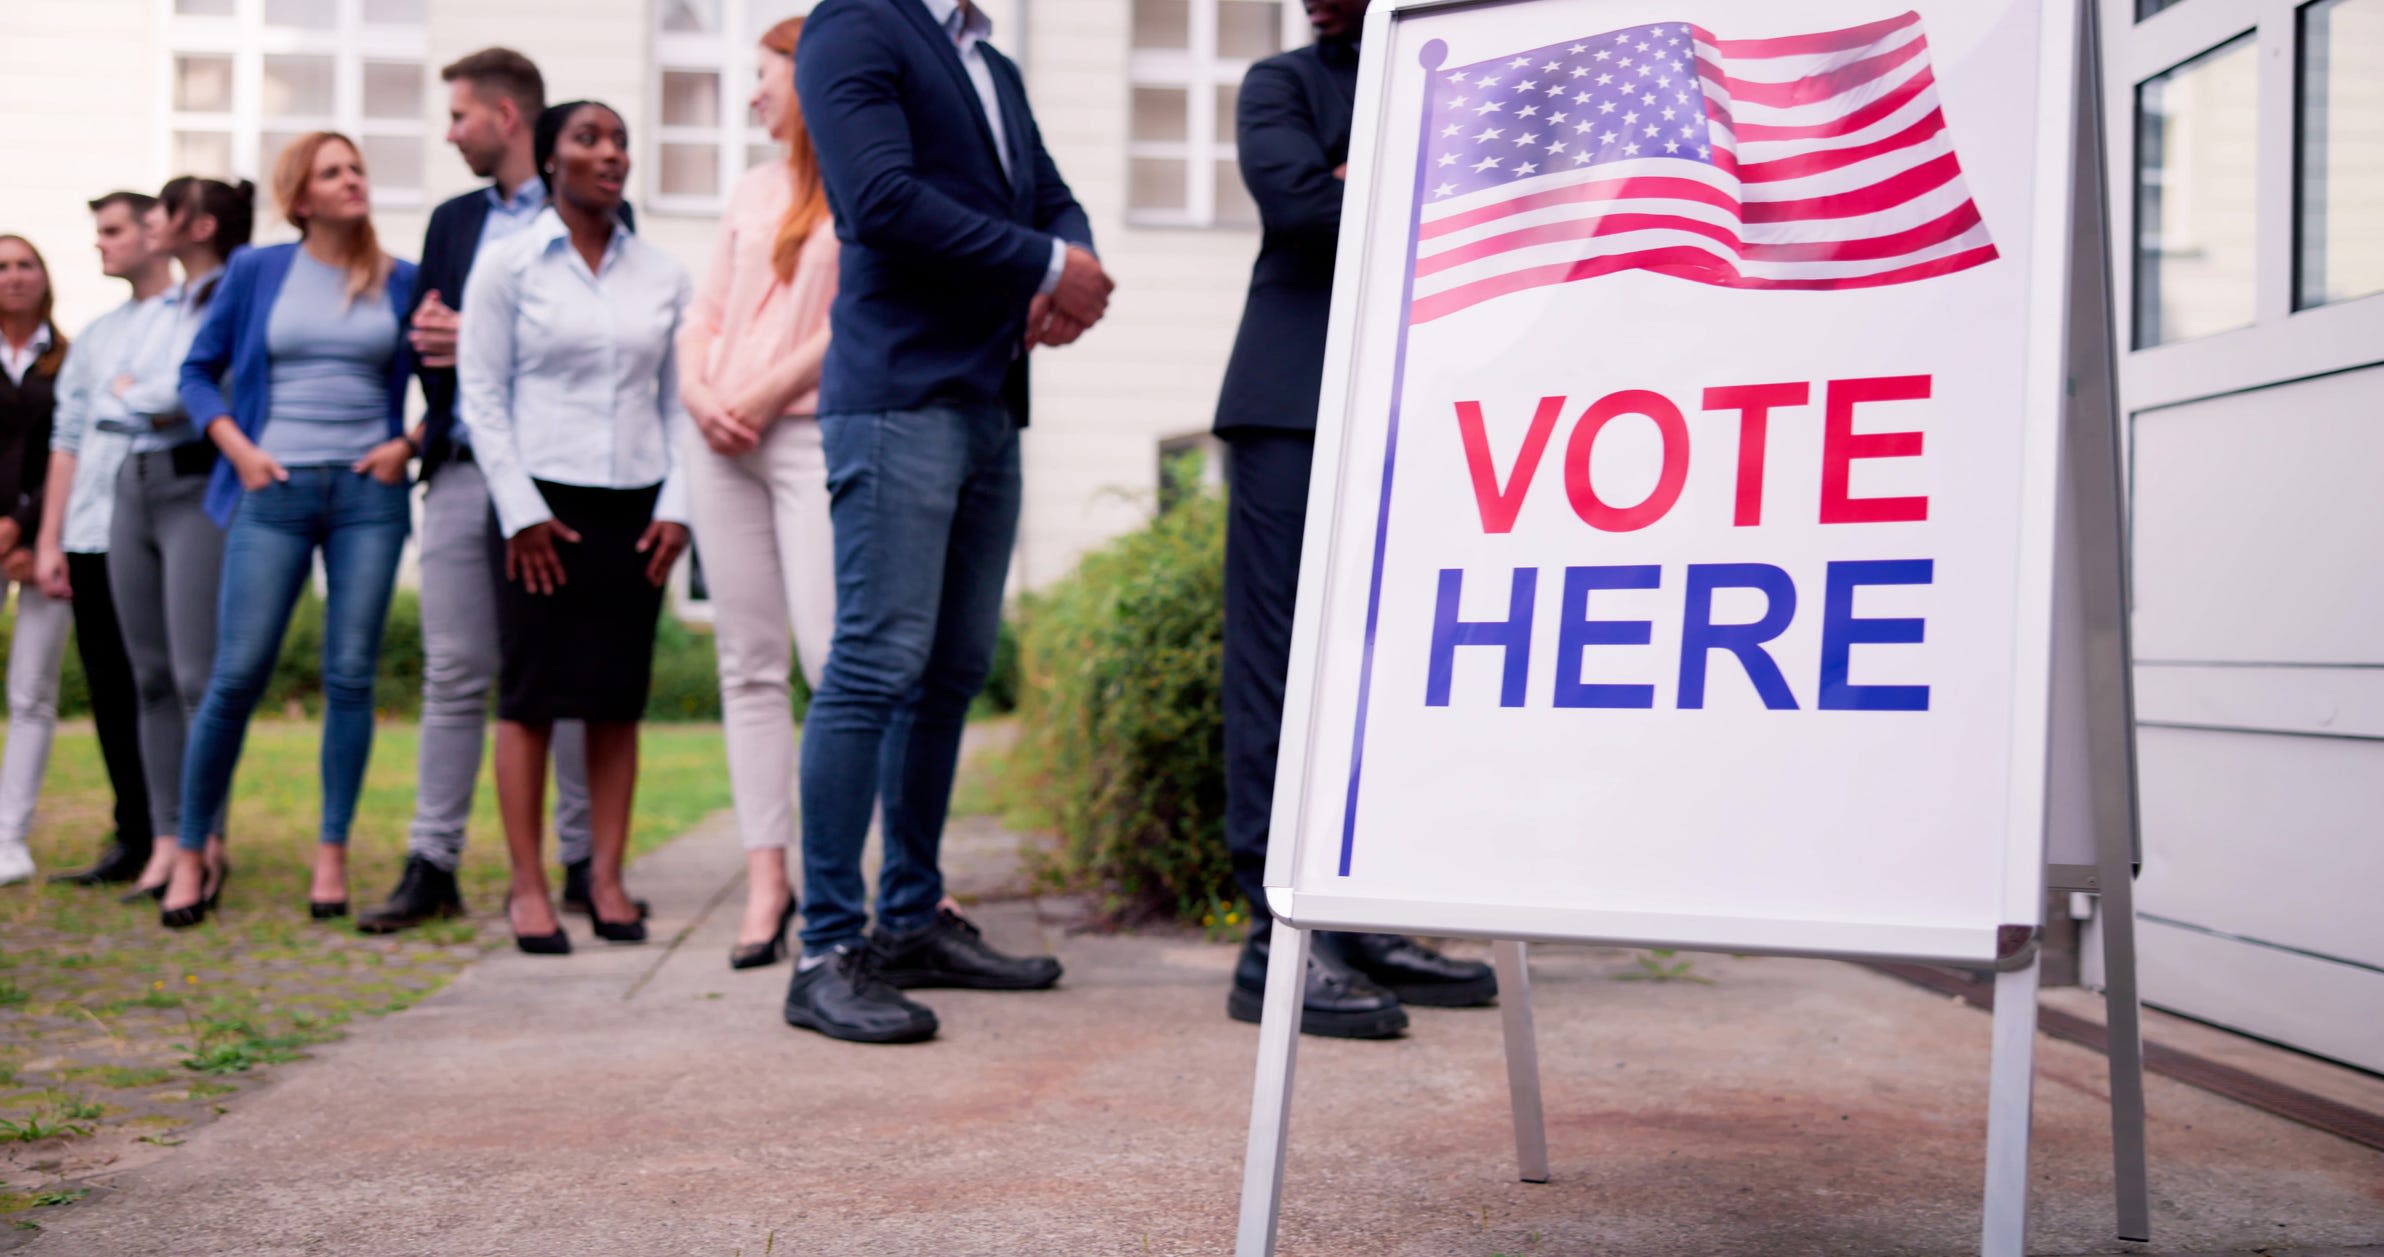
pixel 1499 506
pixel 1675 472
pixel 1754 403
pixel 1841 445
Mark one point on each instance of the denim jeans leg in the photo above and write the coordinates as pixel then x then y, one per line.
pixel 267 554
pixel 894 484
pixel 364 536
pixel 921 749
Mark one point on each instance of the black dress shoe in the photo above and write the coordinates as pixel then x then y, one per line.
pixel 1336 1001
pixel 1419 975
pixel 118 862
pixel 843 997
pixel 763 955
pixel 950 952
pixel 576 876
pixel 425 892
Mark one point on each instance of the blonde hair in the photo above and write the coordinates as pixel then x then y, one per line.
pixel 802 167
pixel 368 266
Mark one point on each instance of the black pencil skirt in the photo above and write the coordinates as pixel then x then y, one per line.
pixel 585 651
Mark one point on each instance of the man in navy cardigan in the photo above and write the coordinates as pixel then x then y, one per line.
pixel 962 250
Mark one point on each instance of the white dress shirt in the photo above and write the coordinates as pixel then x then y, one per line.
pixel 570 375
pixel 969 30
pixel 95 359
pixel 17 361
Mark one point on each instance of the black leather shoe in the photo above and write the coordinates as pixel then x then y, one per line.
pixel 843 997
pixel 425 892
pixel 1336 1001
pixel 575 891
pixel 118 862
pixel 950 952
pixel 1419 975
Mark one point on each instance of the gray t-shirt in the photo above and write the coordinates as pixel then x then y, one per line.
pixel 330 368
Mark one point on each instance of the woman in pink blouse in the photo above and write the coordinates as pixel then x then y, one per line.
pixel 750 349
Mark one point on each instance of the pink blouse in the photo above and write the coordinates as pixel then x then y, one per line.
pixel 754 320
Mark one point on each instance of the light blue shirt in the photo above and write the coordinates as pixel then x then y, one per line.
pixel 571 375
pixel 329 368
pixel 968 31
pixel 507 215
pixel 151 411
pixel 96 358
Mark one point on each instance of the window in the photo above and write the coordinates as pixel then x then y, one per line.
pixel 2342 152
pixel 2197 182
pixel 1186 72
pixel 248 76
pixel 703 75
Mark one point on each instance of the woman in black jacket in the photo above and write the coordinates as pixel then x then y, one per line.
pixel 31 351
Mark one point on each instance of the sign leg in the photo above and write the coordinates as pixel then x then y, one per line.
pixel 2010 1091
pixel 2125 1048
pixel 1523 1060
pixel 1270 1097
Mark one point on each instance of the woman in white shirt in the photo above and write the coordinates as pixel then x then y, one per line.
pixel 568 382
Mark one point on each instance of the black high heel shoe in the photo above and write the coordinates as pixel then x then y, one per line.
pixel 139 893
pixel 555 944
pixel 763 955
pixel 210 895
pixel 326 910
pixel 618 931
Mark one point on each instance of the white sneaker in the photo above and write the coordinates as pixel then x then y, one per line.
pixel 16 863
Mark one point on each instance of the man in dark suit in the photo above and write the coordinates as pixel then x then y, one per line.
pixel 962 250
pixel 1292 136
pixel 495 96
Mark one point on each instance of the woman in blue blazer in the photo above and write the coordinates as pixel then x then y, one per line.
pixel 314 458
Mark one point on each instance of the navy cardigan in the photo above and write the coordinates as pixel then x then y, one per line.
pixel 233 336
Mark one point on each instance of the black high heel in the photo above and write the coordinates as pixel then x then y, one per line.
pixel 555 944
pixel 618 932
pixel 326 910
pixel 210 895
pixel 763 955
pixel 139 893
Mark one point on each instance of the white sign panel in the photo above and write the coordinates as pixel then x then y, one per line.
pixel 1680 548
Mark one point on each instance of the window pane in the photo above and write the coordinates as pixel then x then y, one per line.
pixel 393 89
pixel 297 86
pixel 701 17
pixel 2342 151
pixel 1161 113
pixel 269 147
pixel 1234 206
pixel 2146 8
pixel 1162 23
pixel 394 162
pixel 1249 29
pixel 690 170
pixel 204 153
pixel 394 12
pixel 203 84
pixel 690 98
pixel 312 15
pixel 1156 183
pixel 1229 95
pixel 203 8
pixel 2196 163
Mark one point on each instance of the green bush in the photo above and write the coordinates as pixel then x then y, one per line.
pixel 1121 746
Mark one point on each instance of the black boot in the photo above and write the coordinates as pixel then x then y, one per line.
pixel 843 997
pixel 1419 975
pixel 425 892
pixel 950 952
pixel 1336 1001
pixel 119 861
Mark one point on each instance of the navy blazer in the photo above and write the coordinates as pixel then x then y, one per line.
pixel 1291 130
pixel 449 245
pixel 941 251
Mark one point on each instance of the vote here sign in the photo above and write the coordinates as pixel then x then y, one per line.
pixel 1680 554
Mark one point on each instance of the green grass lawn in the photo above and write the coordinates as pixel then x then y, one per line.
pixel 110 1024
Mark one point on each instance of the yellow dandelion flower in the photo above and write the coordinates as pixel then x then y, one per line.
pixel 158 985
pixel 191 978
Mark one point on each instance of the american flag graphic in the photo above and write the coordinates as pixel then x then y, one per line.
pixel 1797 162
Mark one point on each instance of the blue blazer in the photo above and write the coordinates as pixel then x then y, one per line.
pixel 233 336
pixel 942 252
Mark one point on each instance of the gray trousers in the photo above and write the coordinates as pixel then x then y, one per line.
pixel 459 667
pixel 165 561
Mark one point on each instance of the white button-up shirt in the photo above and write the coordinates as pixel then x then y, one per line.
pixel 17 361
pixel 967 31
pixel 91 365
pixel 570 375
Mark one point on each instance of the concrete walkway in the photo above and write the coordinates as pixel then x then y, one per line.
pixel 646 1100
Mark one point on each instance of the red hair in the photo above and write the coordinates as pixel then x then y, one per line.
pixel 802 167
pixel 367 265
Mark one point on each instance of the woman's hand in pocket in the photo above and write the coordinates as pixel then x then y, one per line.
pixel 386 462
pixel 531 558
pixel 662 545
pixel 257 468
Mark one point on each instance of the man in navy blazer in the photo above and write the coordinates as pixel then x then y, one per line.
pixel 962 250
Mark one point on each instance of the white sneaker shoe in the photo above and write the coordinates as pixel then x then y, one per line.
pixel 16 863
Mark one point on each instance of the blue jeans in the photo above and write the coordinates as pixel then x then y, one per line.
pixel 360 526
pixel 925 508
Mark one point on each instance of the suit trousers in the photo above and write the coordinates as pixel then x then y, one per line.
pixel 459 668
pixel 165 563
pixel 1266 514
pixel 115 703
pixel 35 651
pixel 769 557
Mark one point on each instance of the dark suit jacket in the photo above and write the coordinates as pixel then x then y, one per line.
pixel 1291 129
pixel 25 413
pixel 449 245
pixel 941 251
